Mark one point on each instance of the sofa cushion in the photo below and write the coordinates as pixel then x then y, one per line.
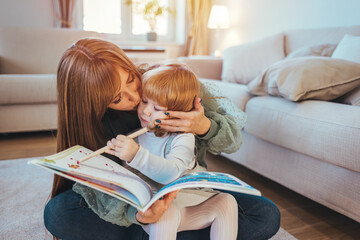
pixel 351 98
pixel 295 39
pixel 348 49
pixel 238 93
pixel 335 187
pixel 303 78
pixel 27 89
pixel 243 63
pixel 324 130
pixel 325 50
pixel 35 50
pixel 28 117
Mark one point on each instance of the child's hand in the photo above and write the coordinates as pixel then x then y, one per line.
pixel 123 147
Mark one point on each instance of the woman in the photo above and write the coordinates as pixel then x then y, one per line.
pixel 98 92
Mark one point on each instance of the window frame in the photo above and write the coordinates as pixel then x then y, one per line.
pixel 126 34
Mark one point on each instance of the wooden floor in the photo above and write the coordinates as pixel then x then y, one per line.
pixel 300 216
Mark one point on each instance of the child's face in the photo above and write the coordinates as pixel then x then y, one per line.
pixel 148 111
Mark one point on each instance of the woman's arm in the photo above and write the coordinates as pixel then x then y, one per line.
pixel 120 213
pixel 105 206
pixel 226 118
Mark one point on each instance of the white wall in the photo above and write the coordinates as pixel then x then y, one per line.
pixel 29 13
pixel 255 19
pixel 250 19
pixel 33 13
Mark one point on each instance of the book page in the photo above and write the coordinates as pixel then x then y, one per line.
pixel 101 169
pixel 119 193
pixel 215 180
pixel 111 178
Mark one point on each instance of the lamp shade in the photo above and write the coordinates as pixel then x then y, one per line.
pixel 219 17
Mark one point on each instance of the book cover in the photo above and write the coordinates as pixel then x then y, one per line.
pixel 111 178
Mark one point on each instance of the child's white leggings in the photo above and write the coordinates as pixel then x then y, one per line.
pixel 219 211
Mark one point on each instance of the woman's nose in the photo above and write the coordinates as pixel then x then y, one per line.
pixel 134 97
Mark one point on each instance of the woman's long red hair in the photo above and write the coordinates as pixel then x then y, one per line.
pixel 87 81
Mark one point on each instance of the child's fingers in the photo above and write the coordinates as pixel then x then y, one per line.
pixel 110 144
pixel 116 142
pixel 112 152
pixel 115 146
pixel 115 153
pixel 121 137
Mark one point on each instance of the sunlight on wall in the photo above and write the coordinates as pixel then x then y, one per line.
pixel 255 19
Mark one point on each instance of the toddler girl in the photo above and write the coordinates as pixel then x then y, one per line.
pixel 164 157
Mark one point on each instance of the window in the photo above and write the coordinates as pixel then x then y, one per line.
pixel 102 16
pixel 122 21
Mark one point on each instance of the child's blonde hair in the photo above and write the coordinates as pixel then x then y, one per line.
pixel 173 86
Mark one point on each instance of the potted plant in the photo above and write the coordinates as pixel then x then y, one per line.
pixel 151 10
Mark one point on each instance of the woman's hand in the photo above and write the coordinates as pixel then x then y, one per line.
pixel 194 121
pixel 154 213
pixel 123 147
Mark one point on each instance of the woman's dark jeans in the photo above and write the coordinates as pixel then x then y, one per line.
pixel 67 217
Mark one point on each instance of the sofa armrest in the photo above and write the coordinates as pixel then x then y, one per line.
pixel 204 66
pixel 27 88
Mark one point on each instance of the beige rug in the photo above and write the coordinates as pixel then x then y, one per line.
pixel 24 190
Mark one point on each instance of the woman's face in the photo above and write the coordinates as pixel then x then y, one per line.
pixel 128 98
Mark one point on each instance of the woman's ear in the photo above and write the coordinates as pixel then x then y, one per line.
pixel 197 104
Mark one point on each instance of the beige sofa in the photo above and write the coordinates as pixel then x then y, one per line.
pixel 28 62
pixel 311 147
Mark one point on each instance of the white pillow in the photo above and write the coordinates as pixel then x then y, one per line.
pixel 324 50
pixel 348 49
pixel 243 63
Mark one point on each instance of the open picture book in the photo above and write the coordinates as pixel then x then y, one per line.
pixel 105 175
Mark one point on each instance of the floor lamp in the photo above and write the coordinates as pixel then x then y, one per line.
pixel 219 19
